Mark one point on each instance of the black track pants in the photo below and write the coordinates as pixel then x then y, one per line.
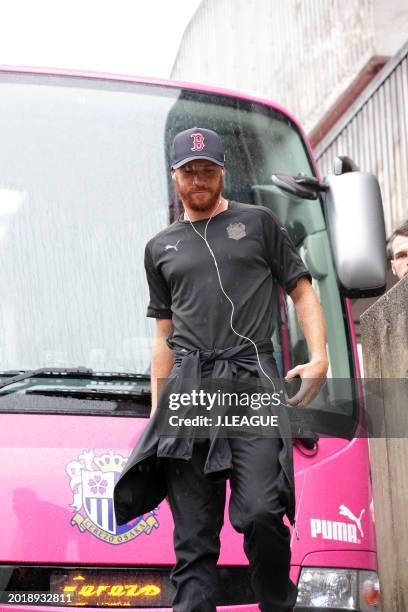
pixel 255 510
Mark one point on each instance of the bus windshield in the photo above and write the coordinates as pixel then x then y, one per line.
pixel 85 183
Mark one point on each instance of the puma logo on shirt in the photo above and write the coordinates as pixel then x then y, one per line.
pixel 171 246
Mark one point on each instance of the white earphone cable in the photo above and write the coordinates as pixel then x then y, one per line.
pixel 223 290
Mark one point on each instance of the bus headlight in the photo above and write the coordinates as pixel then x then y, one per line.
pixel 338 589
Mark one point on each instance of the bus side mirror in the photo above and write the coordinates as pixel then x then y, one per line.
pixel 355 224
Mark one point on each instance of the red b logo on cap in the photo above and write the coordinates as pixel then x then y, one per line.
pixel 198 142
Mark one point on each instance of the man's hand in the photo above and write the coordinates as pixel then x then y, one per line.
pixel 313 375
pixel 311 321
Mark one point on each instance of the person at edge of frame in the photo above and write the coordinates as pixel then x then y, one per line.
pixel 194 338
pixel 398 251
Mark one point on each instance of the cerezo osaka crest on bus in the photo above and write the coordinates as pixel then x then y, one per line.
pixel 92 479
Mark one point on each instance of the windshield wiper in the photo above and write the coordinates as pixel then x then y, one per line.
pixel 91 393
pixel 79 372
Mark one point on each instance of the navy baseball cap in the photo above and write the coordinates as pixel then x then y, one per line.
pixel 197 143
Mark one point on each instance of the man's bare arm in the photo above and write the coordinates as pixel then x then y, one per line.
pixel 311 321
pixel 162 357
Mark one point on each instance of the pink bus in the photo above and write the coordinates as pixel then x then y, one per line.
pixel 84 183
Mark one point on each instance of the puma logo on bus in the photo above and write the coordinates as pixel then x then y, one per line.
pixel 198 142
pixel 344 511
pixel 171 246
pixel 337 530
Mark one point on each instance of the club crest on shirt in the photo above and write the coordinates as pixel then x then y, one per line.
pixel 236 231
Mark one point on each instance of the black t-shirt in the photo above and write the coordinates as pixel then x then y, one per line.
pixel 253 253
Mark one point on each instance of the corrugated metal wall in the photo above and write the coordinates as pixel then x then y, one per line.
pixel 374 133
pixel 300 53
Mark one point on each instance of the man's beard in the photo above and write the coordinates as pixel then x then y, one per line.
pixel 206 204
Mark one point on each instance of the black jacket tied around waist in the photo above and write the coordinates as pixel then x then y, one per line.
pixel 141 486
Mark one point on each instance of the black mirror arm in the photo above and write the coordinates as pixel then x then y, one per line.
pixel 306 187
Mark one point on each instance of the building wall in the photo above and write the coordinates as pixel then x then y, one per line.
pixel 374 133
pixel 301 53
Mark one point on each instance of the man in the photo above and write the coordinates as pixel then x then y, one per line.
pixel 398 248
pixel 221 256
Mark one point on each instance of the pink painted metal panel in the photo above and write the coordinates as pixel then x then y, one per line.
pixel 49 511
pixel 353 340
pixel 46 519
pixel 342 558
pixel 333 508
